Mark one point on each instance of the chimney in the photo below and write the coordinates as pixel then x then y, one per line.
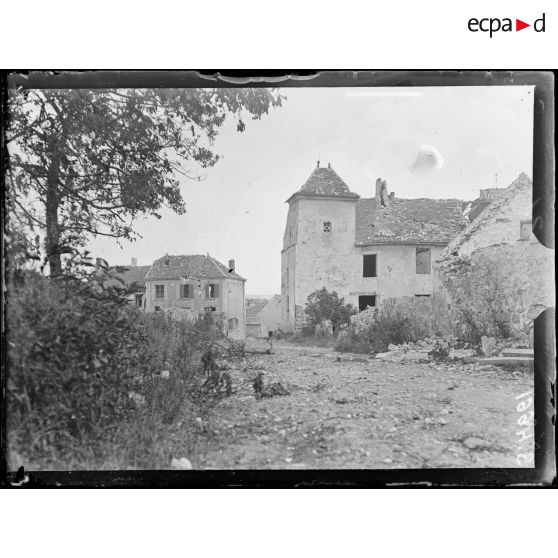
pixel 329 165
pixel 231 266
pixel 378 192
pixel 382 198
pixel 134 262
pixel 167 259
pixel 318 165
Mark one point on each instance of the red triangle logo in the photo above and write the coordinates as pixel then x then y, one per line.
pixel 519 25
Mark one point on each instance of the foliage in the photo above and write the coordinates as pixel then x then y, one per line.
pixel 96 159
pixel 397 321
pixel 322 306
pixel 88 374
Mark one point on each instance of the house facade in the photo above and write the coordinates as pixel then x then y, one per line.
pixel 186 286
pixel 263 316
pixel 496 267
pixel 365 249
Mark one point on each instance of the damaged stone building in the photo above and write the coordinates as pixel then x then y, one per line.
pixel 495 271
pixel 365 249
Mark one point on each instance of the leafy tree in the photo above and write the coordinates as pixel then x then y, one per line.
pixel 322 305
pixel 87 162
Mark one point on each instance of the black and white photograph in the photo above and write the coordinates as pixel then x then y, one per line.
pixel 237 276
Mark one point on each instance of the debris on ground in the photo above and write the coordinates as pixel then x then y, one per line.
pixel 271 390
pixel 416 414
pixel 488 345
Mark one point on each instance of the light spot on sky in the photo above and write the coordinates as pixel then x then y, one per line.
pixel 428 160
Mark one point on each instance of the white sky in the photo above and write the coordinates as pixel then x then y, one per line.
pixel 238 211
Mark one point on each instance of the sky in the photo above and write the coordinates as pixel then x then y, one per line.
pixel 435 142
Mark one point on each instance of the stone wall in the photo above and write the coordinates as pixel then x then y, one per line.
pixel 495 274
pixel 501 289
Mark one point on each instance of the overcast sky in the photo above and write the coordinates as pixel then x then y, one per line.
pixel 438 142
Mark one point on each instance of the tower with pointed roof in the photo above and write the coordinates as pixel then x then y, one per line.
pixel 318 242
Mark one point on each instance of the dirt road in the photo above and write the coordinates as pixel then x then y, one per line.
pixel 352 414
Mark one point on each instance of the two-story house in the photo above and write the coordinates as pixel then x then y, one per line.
pixel 188 286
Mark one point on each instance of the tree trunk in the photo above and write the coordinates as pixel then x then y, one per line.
pixel 52 240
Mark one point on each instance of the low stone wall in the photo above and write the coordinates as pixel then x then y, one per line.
pixel 501 289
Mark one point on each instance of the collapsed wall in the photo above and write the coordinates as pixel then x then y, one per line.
pixel 496 276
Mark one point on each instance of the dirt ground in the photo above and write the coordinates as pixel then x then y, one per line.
pixel 361 414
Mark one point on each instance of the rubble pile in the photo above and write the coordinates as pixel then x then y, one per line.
pixel 491 351
pixel 431 348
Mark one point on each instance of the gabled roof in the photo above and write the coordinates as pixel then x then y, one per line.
pixel 324 181
pixel 129 274
pixel 404 220
pixel 190 267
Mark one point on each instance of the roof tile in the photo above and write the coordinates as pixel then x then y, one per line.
pixel 194 266
pixel 324 181
pixel 420 220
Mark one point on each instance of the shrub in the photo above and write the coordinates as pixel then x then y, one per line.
pixel 396 320
pixel 323 306
pixel 85 370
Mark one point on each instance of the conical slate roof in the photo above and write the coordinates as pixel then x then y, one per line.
pixel 324 181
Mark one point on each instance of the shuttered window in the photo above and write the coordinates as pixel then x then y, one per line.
pixel 212 290
pixel 186 291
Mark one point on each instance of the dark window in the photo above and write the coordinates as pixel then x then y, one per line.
pixel 525 230
pixel 186 291
pixel 210 309
pixel 212 290
pixel 423 295
pixel 327 226
pixel 159 291
pixel 366 300
pixel 369 265
pixel 423 261
pixel 138 300
pixel 157 309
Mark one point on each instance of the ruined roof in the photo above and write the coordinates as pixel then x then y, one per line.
pixel 415 221
pixel 324 181
pixel 490 212
pixel 194 267
pixel 129 274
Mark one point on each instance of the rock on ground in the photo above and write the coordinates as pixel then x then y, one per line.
pixel 370 414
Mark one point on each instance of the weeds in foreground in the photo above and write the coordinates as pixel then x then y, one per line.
pixel 92 383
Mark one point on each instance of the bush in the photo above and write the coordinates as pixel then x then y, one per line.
pixel 397 321
pixel 84 387
pixel 323 306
